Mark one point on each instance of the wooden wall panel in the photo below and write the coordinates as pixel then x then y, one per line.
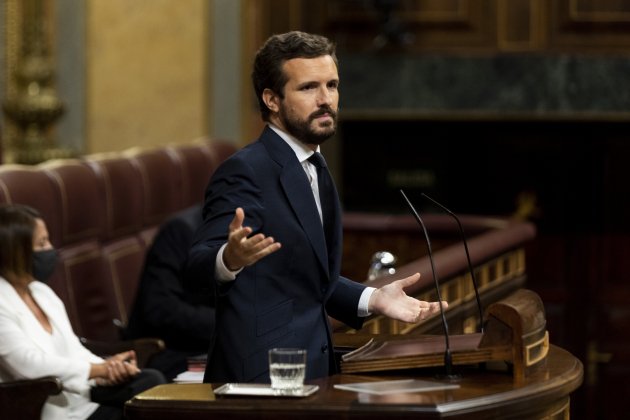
pixel 519 25
pixel 489 26
pixel 410 24
pixel 589 25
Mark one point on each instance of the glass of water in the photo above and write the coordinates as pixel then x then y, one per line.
pixel 286 369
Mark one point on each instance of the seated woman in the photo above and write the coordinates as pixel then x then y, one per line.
pixel 36 338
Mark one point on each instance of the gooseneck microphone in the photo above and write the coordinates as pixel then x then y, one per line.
pixel 470 267
pixel 448 359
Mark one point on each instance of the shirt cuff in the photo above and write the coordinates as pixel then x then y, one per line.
pixel 221 272
pixel 364 300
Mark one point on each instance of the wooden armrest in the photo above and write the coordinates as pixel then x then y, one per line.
pixel 145 348
pixel 24 399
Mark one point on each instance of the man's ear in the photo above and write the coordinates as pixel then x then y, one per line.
pixel 271 100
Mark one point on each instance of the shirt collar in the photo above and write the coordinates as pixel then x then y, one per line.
pixel 300 149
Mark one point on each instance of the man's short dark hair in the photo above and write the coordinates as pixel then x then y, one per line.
pixel 267 72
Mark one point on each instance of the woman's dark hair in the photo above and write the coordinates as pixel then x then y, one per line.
pixel 17 227
pixel 270 58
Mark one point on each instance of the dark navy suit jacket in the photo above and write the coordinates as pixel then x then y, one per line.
pixel 284 299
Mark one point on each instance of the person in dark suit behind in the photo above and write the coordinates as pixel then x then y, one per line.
pixel 271 241
pixel 163 307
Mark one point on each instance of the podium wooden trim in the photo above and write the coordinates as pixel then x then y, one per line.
pixel 496 250
pixel 515 332
pixel 544 393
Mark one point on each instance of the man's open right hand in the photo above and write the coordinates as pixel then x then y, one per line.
pixel 242 250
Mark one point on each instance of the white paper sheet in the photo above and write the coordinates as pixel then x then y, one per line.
pixel 396 387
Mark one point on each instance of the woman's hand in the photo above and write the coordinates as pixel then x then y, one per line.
pixel 116 369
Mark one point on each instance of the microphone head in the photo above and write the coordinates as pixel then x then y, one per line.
pixel 382 263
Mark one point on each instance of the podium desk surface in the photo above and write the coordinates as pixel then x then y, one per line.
pixel 483 393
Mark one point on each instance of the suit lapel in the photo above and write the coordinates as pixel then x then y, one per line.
pixel 304 207
pixel 334 253
pixel 298 191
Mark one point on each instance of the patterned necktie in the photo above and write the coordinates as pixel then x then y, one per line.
pixel 326 194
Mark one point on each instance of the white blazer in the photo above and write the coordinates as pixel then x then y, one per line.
pixel 27 350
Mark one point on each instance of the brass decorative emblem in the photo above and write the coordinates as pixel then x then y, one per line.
pixel 35 106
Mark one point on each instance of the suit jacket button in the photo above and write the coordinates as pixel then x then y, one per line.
pixel 324 348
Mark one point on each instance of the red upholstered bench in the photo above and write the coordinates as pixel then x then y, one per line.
pixel 102 212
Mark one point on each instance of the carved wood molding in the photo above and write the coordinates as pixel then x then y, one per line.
pixel 591 26
pixel 472 25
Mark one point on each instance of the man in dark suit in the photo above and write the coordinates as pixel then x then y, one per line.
pixel 163 307
pixel 270 245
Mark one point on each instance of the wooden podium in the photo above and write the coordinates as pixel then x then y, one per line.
pixel 482 394
pixel 521 376
pixel 515 333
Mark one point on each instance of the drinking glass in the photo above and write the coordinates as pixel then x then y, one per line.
pixel 287 367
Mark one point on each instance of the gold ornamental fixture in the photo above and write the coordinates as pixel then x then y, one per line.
pixel 35 106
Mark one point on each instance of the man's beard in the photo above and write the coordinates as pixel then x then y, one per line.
pixel 302 130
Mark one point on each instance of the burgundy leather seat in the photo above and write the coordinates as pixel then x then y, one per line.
pixel 102 212
pixel 31 186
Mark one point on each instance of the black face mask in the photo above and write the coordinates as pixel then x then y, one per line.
pixel 44 263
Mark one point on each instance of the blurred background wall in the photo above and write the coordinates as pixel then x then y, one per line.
pixel 518 108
